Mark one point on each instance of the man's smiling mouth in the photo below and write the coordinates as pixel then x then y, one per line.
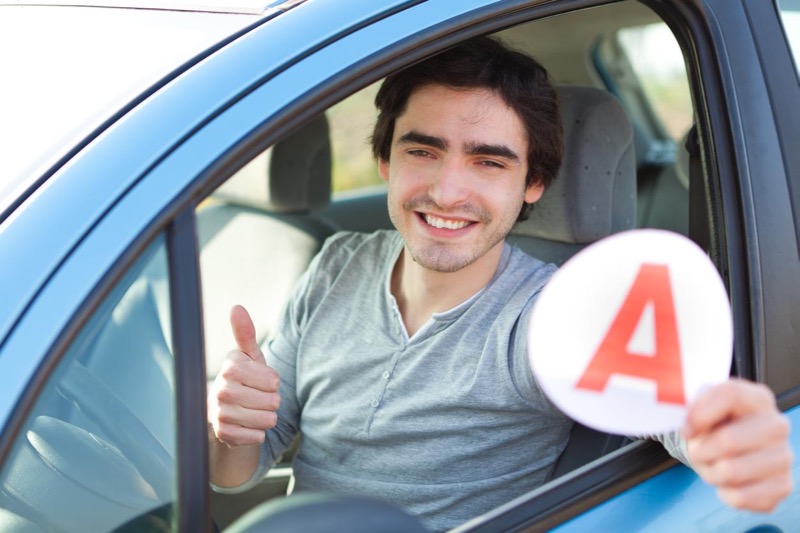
pixel 437 222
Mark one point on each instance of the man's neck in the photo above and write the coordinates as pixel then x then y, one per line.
pixel 421 292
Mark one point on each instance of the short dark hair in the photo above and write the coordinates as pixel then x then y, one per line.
pixel 483 63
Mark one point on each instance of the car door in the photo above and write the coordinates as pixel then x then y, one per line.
pixel 744 185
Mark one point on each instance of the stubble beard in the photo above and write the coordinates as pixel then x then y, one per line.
pixel 441 256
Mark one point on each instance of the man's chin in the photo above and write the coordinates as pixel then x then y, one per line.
pixel 442 263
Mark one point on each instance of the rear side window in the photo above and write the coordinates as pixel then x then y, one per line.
pixel 663 80
pixel 351 122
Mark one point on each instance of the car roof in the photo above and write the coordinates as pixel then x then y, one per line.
pixel 74 67
pixel 252 7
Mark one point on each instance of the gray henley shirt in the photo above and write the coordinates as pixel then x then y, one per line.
pixel 447 424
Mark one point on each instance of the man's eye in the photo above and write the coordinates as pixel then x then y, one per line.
pixel 419 153
pixel 492 164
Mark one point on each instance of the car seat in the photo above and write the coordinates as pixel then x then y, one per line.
pixel 593 197
pixel 258 233
pixel 663 193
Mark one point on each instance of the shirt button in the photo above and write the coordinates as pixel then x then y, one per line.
pixel 375 403
pixel 386 375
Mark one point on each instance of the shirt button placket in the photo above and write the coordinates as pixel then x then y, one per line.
pixel 376 402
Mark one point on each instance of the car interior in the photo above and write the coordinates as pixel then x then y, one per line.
pixel 619 172
pixel 259 231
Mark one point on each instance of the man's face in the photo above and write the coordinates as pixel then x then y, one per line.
pixel 456 175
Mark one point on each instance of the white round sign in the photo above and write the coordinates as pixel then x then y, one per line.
pixel 629 331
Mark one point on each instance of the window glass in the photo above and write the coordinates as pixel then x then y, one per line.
pixel 657 61
pixel 97 451
pixel 790 12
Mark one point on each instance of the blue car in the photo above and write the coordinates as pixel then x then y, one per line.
pixel 163 161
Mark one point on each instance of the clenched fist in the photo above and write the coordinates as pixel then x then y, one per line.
pixel 243 400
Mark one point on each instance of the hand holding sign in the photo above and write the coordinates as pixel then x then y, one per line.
pixel 634 336
pixel 738 441
pixel 630 330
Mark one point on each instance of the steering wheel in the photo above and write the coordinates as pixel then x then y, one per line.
pixel 121 427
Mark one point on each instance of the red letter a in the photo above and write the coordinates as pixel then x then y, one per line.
pixel 612 357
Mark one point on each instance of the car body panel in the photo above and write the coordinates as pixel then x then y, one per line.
pixel 678 500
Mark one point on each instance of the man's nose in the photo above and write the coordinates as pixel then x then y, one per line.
pixel 448 187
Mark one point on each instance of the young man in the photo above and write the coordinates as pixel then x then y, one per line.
pixel 402 356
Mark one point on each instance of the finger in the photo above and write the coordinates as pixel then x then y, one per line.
pixel 245 333
pixel 733 399
pixel 739 436
pixel 234 435
pixel 234 415
pixel 248 397
pixel 761 497
pixel 255 374
pixel 743 470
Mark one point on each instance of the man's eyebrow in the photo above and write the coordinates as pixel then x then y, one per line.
pixel 497 150
pixel 474 148
pixel 415 137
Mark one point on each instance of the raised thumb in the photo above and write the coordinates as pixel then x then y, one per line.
pixel 245 333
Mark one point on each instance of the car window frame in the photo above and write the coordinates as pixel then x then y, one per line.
pixel 567 497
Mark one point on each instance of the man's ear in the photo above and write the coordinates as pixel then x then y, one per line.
pixel 534 192
pixel 383 169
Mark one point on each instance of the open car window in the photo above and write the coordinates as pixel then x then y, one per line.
pixel 259 231
pixel 657 62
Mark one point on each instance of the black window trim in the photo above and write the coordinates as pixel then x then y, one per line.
pixel 783 89
pixel 576 492
pixel 775 54
pixel 190 383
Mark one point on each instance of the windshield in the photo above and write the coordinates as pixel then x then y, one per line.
pixel 67 69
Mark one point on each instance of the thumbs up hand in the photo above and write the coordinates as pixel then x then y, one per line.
pixel 243 400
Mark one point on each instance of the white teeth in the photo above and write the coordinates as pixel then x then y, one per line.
pixel 437 222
